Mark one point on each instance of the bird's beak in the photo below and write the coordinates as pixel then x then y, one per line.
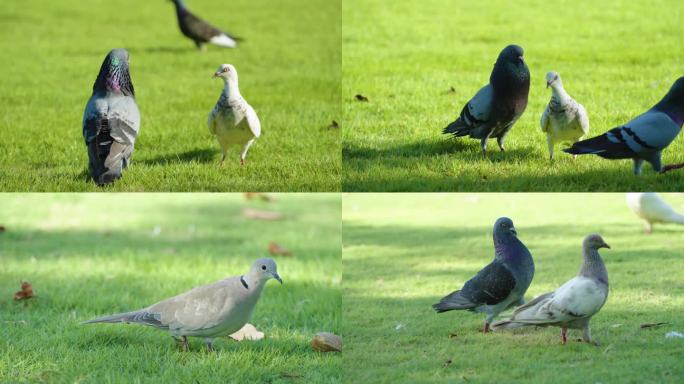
pixel 548 84
pixel 513 231
pixel 605 245
pixel 277 277
pixel 522 60
pixel 217 74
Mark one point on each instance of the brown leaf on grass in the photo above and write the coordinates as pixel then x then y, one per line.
pixel 447 363
pixel 651 325
pixel 258 195
pixel 277 249
pixel 451 90
pixel 327 342
pixel 334 125
pixel 26 291
pixel 360 97
pixel 256 214
pixel 453 335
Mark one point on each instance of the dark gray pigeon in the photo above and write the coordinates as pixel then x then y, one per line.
pixel 499 104
pixel 200 31
pixel 645 137
pixel 500 284
pixel 111 120
pixel 574 303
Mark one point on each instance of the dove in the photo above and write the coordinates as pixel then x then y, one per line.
pixel 652 209
pixel 500 284
pixel 232 120
pixel 111 120
pixel 218 309
pixel 643 138
pixel 573 304
pixel 200 31
pixel 494 109
pixel 564 119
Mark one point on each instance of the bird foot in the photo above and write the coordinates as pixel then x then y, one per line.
pixel 242 161
pixel 485 329
pixel 182 343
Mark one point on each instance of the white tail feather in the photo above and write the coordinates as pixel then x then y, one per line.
pixel 223 41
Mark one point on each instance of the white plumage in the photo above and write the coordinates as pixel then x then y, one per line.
pixel 233 121
pixel 564 120
pixel 223 40
pixel 652 209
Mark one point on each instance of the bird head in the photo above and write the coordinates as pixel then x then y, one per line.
pixel 114 74
pixel 503 228
pixel 265 269
pixel 553 79
pixel 513 53
pixel 227 72
pixel 595 241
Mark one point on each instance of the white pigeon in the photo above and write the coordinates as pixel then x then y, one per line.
pixel 233 121
pixel 219 309
pixel 564 119
pixel 574 303
pixel 652 209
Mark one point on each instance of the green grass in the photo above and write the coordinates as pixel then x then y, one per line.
pixel 402 253
pixel 617 59
pixel 88 255
pixel 289 69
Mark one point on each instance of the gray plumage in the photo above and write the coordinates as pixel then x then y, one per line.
pixel 500 284
pixel 213 310
pixel 645 137
pixel 233 121
pixel 493 111
pixel 564 119
pixel 111 120
pixel 573 304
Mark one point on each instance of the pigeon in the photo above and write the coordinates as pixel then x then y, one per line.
pixel 574 303
pixel 494 109
pixel 500 284
pixel 232 120
pixel 200 31
pixel 652 209
pixel 564 119
pixel 218 309
pixel 111 120
pixel 643 138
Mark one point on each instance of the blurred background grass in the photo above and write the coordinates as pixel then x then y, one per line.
pixel 88 255
pixel 403 252
pixel 289 69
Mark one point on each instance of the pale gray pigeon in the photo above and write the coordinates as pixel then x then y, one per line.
pixel 111 120
pixel 652 209
pixel 500 284
pixel 232 120
pixel 574 303
pixel 645 137
pixel 218 309
pixel 564 119
pixel 494 109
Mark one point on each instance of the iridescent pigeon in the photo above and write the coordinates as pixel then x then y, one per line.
pixel 111 120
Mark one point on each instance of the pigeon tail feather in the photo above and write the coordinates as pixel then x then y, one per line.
pixel 457 128
pixel 453 301
pixel 142 317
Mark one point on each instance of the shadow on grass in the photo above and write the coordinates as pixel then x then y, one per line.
pixel 198 155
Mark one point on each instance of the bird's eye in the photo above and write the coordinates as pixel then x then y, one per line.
pixel 263 267
pixel 555 77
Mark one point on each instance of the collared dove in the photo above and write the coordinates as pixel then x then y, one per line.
pixel 500 284
pixel 564 119
pixel 494 109
pixel 645 137
pixel 232 120
pixel 652 209
pixel 111 120
pixel 574 303
pixel 200 31
pixel 218 309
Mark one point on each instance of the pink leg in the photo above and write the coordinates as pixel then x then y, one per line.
pixel 564 335
pixel 486 328
pixel 242 161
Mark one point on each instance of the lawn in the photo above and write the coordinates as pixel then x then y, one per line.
pixel 89 255
pixel 616 58
pixel 289 70
pixel 402 253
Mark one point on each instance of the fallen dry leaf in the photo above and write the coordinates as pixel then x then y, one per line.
pixel 247 332
pixel 447 363
pixel 451 90
pixel 360 97
pixel 326 342
pixel 334 125
pixel 452 335
pixel 259 195
pixel 257 214
pixel 651 325
pixel 277 249
pixel 26 291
